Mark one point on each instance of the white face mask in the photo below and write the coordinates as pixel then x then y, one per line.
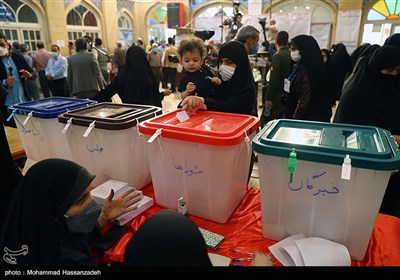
pixel 325 59
pixel 295 55
pixel 3 51
pixel 226 72
pixel 54 54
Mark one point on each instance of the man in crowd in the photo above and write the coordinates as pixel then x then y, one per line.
pixel 40 59
pixel 31 86
pixel 103 57
pixel 56 72
pixel 84 75
pixel 281 66
pixel 249 36
pixel 119 56
pixel 13 72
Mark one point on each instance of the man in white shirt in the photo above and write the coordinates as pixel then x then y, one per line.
pixel 57 72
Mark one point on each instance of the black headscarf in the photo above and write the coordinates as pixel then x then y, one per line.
pixel 238 94
pixel 320 106
pixel 363 52
pixel 341 65
pixel 167 239
pixel 37 208
pixel 135 84
pixel 9 174
pixel 311 58
pixel 356 53
pixel 370 97
pixel 330 72
pixel 327 53
pixel 393 40
pixel 368 50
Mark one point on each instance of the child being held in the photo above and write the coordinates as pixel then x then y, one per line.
pixel 197 79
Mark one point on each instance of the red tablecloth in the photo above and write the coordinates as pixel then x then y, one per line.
pixel 244 231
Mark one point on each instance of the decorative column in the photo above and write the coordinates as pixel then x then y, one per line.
pixel 110 24
pixel 56 25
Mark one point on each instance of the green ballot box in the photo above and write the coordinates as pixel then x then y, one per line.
pixel 323 180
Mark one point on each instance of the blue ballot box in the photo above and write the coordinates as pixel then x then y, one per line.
pixel 39 128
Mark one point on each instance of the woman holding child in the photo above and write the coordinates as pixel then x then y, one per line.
pixel 235 94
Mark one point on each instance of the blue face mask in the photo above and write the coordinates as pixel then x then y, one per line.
pixel 254 50
pixel 155 50
pixel 85 221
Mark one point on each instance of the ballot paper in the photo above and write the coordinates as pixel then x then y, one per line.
pixel 317 251
pixel 142 205
pixel 102 192
pixel 219 260
pixel 283 255
pixel 182 116
pixel 296 250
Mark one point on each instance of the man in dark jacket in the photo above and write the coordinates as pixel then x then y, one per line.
pixel 13 73
pixel 280 69
pixel 84 75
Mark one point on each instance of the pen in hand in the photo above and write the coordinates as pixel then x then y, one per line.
pixel 241 259
pixel 243 252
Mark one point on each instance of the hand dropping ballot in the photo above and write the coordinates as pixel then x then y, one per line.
pixel 101 193
pixel 183 116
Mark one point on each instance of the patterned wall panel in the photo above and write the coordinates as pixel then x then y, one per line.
pixel 97 3
pixel 125 4
pixel 66 2
pixel 266 3
pixel 41 2
pixel 194 4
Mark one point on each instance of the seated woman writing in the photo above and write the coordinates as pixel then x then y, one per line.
pixel 51 214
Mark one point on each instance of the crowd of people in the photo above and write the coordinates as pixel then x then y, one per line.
pixel 88 72
pixel 303 82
